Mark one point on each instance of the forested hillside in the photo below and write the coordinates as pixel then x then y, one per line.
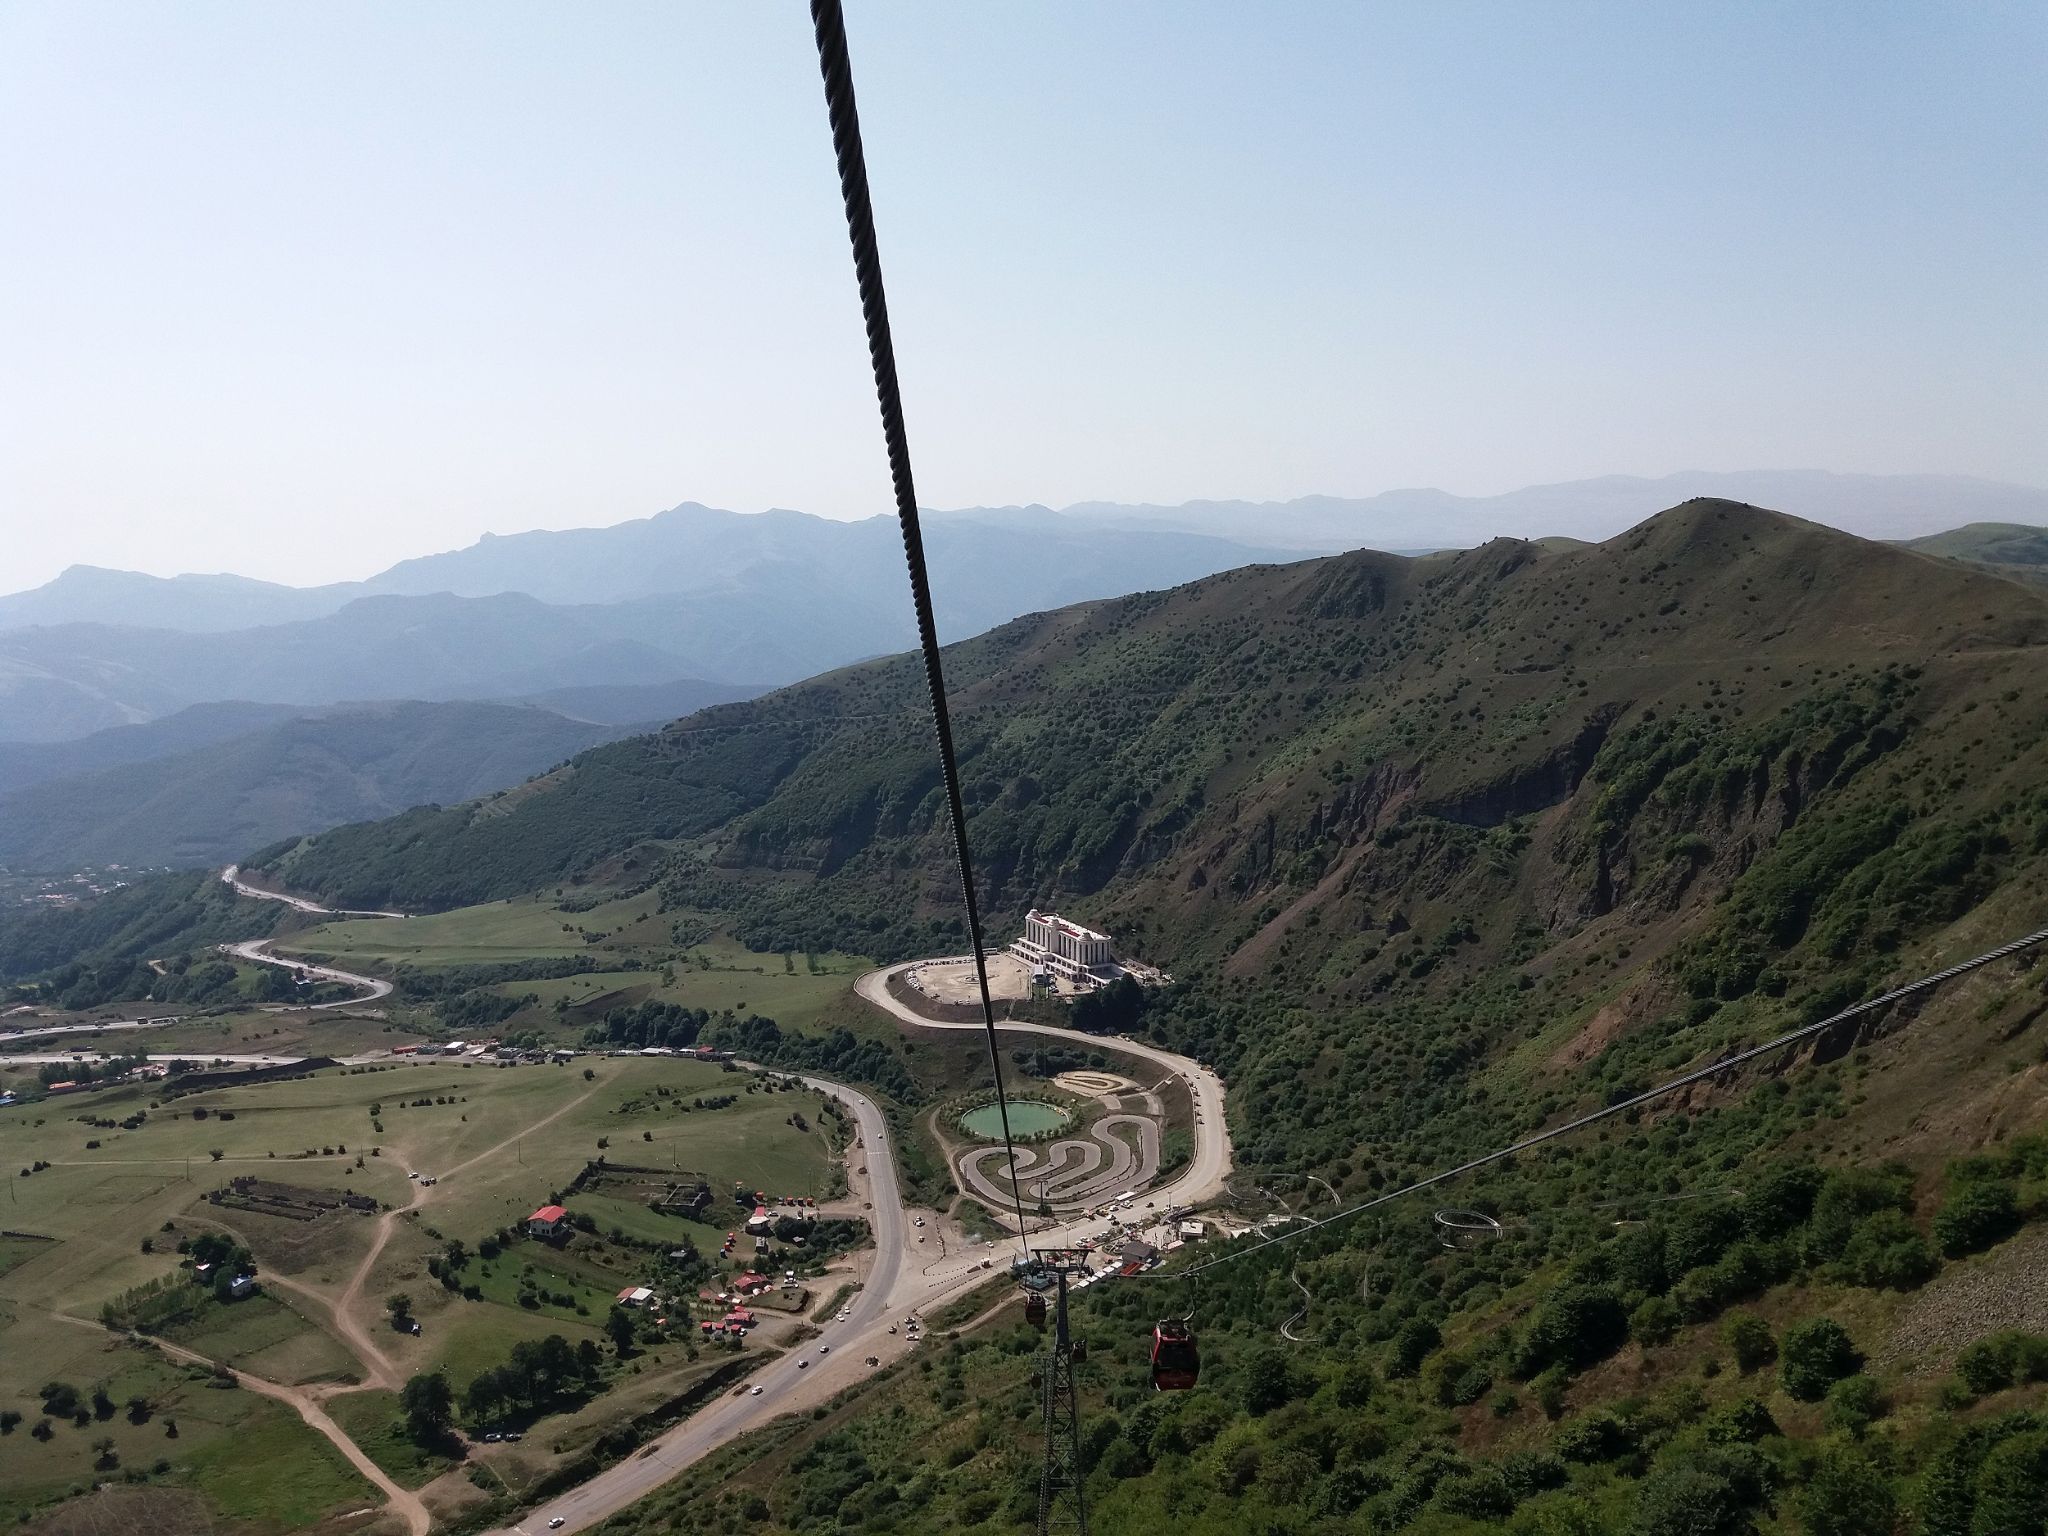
pixel 1440 851
pixel 208 805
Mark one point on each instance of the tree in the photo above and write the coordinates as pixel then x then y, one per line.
pixel 1412 1345
pixel 1887 1250
pixel 104 1457
pixel 1816 1354
pixel 2012 1487
pixel 9 1418
pixel 42 1430
pixel 1266 1381
pixel 485 1399
pixel 1705 1493
pixel 588 1360
pixel 1847 1495
pixel 620 1328
pixel 399 1305
pixel 1976 1216
pixel 428 1403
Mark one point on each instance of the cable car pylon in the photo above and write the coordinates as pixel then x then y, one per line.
pixel 1062 1499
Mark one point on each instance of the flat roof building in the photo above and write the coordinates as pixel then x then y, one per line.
pixel 1051 943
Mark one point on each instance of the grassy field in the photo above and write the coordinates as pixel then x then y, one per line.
pixel 372 1419
pixel 275 1470
pixel 712 972
pixel 221 1435
pixel 524 929
pixel 499 1142
pixel 263 1335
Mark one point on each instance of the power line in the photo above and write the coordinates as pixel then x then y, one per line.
pixel 1662 1090
pixel 837 70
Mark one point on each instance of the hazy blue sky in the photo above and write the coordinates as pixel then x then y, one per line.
pixel 300 289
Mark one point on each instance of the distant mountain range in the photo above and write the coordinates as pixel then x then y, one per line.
pixel 740 601
pixel 147 719
pixel 194 801
pixel 1887 507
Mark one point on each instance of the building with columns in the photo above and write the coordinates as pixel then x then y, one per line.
pixel 1051 943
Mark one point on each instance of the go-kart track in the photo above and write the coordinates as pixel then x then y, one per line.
pixel 1069 1174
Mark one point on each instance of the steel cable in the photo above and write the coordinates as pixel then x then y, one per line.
pixel 837 70
pixel 1700 1074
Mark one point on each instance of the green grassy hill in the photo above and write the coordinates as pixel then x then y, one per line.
pixel 213 803
pixel 2016 550
pixel 1442 851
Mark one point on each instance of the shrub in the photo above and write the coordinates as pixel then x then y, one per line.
pixel 1655 1321
pixel 2002 1360
pixel 1846 1197
pixel 2012 1486
pixel 1743 1422
pixel 1708 1494
pixel 1846 1496
pixel 1814 1355
pixel 1412 1345
pixel 1854 1403
pixel 1887 1251
pixel 1598 1436
pixel 1577 1326
pixel 1977 1216
pixel 1480 1494
pixel 1749 1341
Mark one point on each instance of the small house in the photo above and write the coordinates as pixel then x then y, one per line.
pixel 550 1221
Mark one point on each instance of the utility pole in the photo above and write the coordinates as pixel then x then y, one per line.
pixel 1062 1503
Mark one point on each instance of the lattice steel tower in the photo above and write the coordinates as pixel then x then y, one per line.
pixel 1062 1501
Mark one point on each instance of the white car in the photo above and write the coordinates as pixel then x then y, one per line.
pixel 824 1349
pixel 754 1392
pixel 555 1524
pixel 803 1365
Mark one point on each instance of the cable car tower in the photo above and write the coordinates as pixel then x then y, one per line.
pixel 1062 1502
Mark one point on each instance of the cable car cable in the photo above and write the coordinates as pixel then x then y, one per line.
pixel 837 71
pixel 1701 1074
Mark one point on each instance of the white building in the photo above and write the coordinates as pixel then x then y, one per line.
pixel 1051 943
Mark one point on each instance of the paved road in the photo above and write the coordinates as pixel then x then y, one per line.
pixel 1067 1173
pixel 203 1058
pixel 258 950
pixel 45 1031
pixel 232 876
pixel 1197 1184
pixel 891 1289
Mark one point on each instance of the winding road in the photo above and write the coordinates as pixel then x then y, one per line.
pixel 902 1278
pixel 902 1274
pixel 1202 1180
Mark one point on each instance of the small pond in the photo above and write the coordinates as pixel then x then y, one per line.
pixel 1028 1117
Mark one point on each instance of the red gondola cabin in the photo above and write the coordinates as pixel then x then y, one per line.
pixel 1176 1363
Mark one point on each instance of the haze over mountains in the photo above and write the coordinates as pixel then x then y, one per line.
pixel 120 690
